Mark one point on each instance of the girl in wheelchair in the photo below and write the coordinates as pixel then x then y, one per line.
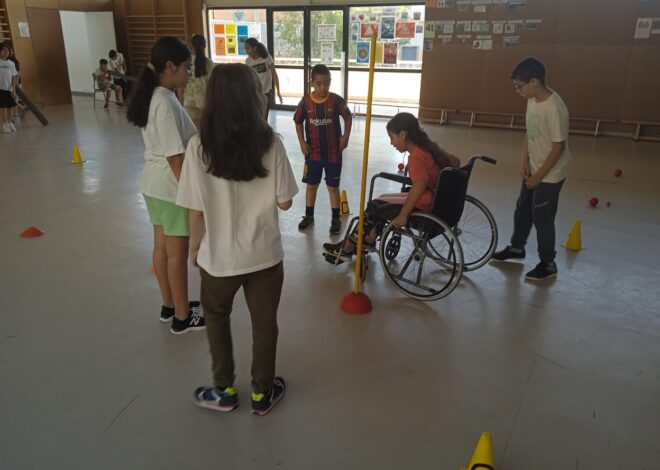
pixel 425 161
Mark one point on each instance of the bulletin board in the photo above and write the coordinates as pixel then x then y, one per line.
pixel 600 57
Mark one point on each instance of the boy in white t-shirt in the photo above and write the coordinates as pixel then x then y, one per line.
pixel 8 79
pixel 102 76
pixel 544 161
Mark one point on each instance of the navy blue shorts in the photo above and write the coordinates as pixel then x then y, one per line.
pixel 314 170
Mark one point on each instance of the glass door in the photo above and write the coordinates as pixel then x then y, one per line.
pixel 302 38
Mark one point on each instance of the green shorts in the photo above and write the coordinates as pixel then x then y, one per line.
pixel 173 218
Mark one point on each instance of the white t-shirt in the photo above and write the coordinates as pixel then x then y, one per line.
pixel 547 122
pixel 262 67
pixel 242 229
pixel 167 133
pixel 118 64
pixel 7 72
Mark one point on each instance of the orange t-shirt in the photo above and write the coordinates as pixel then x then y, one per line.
pixel 422 166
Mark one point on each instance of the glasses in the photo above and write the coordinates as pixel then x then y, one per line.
pixel 519 85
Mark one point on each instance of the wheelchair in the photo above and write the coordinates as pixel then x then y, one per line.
pixel 426 259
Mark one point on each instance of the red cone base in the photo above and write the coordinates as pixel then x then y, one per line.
pixel 32 232
pixel 356 304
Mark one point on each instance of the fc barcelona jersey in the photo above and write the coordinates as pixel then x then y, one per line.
pixel 322 126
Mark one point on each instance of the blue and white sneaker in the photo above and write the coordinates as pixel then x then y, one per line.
pixel 262 403
pixel 218 399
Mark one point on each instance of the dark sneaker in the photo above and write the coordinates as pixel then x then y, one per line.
pixel 335 226
pixel 335 250
pixel 542 271
pixel 307 221
pixel 167 313
pixel 509 253
pixel 120 104
pixel 105 106
pixel 194 322
pixel 262 403
pixel 218 399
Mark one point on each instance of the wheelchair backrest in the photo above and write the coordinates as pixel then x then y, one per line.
pixel 449 196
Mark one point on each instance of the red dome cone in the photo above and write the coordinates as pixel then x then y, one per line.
pixel 32 232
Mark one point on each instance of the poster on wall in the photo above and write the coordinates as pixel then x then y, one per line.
pixel 242 30
pixel 230 28
pixel 355 31
pixel 429 29
pixel 327 53
pixel 220 46
pixel 409 53
pixel 390 52
pixel 379 52
pixel 327 32
pixel 643 28
pixel 387 28
pixel 428 44
pixel 254 31
pixel 388 11
pixel 363 48
pixel 417 15
pixel 219 29
pixel 368 29
pixel 405 30
pixel 241 45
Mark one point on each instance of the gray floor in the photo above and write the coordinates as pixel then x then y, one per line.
pixel 565 375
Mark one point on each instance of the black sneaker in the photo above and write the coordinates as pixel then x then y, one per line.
pixel 307 221
pixel 509 253
pixel 218 399
pixel 194 322
pixel 335 250
pixel 105 106
pixel 262 403
pixel 542 271
pixel 335 226
pixel 167 313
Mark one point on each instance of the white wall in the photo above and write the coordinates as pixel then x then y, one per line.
pixel 87 38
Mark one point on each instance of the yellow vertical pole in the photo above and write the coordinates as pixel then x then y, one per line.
pixel 365 162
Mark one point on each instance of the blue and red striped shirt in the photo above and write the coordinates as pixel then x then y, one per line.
pixel 322 126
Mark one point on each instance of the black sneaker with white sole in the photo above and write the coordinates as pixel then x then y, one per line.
pixel 194 322
pixel 509 253
pixel 542 271
pixel 307 221
pixel 335 250
pixel 262 403
pixel 167 312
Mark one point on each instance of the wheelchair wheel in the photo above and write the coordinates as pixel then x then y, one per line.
pixel 428 263
pixel 392 247
pixel 477 232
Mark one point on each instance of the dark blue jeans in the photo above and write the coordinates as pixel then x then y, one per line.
pixel 537 206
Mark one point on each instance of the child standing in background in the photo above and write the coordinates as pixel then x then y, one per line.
pixel 322 142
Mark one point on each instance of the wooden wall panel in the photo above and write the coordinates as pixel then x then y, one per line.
pixel 48 42
pixel 588 47
pixel 591 78
pixel 641 98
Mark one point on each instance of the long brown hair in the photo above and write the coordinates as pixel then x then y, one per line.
pixel 409 123
pixel 233 132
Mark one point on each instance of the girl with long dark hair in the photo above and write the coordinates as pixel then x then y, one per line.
pixel 236 175
pixel 166 129
pixel 193 98
pixel 425 161
pixel 262 63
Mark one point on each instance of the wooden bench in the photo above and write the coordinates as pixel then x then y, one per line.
pixel 642 126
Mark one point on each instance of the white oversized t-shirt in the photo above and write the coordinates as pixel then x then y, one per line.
pixel 167 133
pixel 547 122
pixel 241 217
pixel 262 67
pixel 7 72
pixel 117 65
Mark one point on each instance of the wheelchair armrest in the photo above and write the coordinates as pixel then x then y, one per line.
pixel 388 176
pixel 394 177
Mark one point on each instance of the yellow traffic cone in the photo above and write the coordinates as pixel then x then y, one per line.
pixel 77 155
pixel 483 454
pixel 344 204
pixel 574 240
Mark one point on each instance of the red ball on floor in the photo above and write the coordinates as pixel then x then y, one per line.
pixel 593 202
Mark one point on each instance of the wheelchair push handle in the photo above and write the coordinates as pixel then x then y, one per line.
pixel 485 158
